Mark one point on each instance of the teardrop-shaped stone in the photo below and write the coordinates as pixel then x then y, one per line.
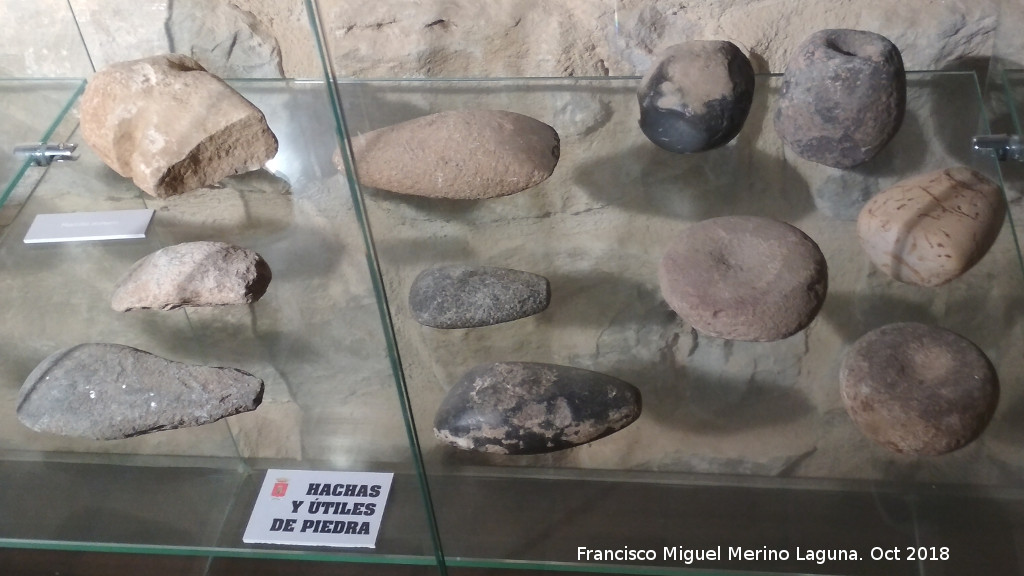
pixel 533 408
pixel 110 391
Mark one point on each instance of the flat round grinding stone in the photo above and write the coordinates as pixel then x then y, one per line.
pixel 918 389
pixel 744 278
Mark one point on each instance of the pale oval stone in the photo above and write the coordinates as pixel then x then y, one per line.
pixel 193 274
pixel 110 391
pixel 171 126
pixel 464 154
pixel 697 96
pixel 744 278
pixel 918 389
pixel 472 296
pixel 930 229
pixel 533 408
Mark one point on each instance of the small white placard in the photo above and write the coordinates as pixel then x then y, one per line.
pixel 78 226
pixel 311 508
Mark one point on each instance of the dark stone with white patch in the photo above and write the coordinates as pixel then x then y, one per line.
pixel 531 408
pixel 843 97
pixel 918 389
pixel 697 96
pixel 110 391
pixel 472 296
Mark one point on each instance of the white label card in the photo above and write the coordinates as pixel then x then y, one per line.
pixel 312 508
pixel 79 226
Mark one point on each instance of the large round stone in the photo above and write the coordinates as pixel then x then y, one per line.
pixel 532 408
pixel 697 96
pixel 459 296
pixel 460 154
pixel 744 278
pixel 929 229
pixel 843 98
pixel 918 389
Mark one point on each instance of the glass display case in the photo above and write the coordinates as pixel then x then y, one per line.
pixel 315 339
pixel 739 442
pixel 740 445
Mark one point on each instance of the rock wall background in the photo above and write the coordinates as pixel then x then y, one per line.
pixel 457 38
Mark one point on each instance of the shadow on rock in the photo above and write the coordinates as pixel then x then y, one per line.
pixel 709 403
pixel 583 300
pixel 855 314
pixel 732 180
pixel 843 193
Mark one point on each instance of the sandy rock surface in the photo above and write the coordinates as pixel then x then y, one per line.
pixel 460 38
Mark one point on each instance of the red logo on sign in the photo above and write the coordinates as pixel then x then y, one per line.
pixel 280 487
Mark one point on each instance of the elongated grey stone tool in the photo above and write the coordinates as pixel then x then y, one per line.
pixel 473 296
pixel 110 391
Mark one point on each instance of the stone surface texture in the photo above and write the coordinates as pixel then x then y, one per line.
pixel 918 389
pixel 193 274
pixel 844 95
pixel 520 408
pixel 472 296
pixel 697 96
pixel 171 126
pixel 744 278
pixel 110 391
pixel 463 154
pixel 930 229
pixel 459 38
pixel 229 41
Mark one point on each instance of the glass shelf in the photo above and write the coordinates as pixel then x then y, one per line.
pixel 724 423
pixel 315 339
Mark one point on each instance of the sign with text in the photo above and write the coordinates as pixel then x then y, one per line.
pixel 79 226
pixel 311 508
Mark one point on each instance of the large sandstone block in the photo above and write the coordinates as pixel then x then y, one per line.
pixel 171 126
